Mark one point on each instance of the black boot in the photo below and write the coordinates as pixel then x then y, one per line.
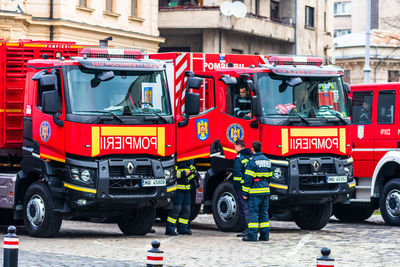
pixel 173 233
pixel 247 238
pixel 185 232
pixel 242 234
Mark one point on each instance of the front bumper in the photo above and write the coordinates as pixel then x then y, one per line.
pixel 116 187
pixel 301 181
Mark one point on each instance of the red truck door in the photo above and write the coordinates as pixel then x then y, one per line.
pixel 46 132
pixel 385 132
pixel 195 139
pixel 364 118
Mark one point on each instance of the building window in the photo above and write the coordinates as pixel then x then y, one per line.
pixel 237 51
pixel 274 10
pixel 134 8
pixel 174 3
pixel 309 16
pixel 346 76
pixel 374 14
pixel 338 33
pixel 393 76
pixel 386 102
pixel 83 3
pixel 109 5
pixel 342 8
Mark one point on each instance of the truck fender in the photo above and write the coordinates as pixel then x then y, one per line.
pixel 386 166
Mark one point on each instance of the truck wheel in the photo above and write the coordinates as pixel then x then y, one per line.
pixel 352 212
pixel 194 211
pixel 313 217
pixel 40 219
pixel 138 222
pixel 390 202
pixel 225 208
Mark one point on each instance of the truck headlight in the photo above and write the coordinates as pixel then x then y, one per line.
pixel 169 174
pixel 277 173
pixel 82 175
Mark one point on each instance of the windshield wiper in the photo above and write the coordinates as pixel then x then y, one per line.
pixel 300 117
pixel 158 115
pixel 104 112
pixel 340 117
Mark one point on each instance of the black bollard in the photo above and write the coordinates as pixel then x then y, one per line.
pixel 155 256
pixel 325 260
pixel 11 244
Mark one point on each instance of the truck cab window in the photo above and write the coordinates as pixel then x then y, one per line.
pixel 362 107
pixel 386 102
pixel 239 102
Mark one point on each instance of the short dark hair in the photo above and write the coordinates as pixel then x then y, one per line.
pixel 240 142
pixel 257 146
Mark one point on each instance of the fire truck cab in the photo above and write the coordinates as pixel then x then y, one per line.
pixel 376 153
pixel 297 108
pixel 85 132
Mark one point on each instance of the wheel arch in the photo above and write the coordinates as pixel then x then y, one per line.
pixel 387 169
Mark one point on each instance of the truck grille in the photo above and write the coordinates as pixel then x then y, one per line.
pixel 128 186
pixel 308 169
pixel 312 183
pixel 119 171
pixel 122 184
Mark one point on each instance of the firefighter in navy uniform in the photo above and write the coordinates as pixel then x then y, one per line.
pixel 179 214
pixel 256 191
pixel 239 165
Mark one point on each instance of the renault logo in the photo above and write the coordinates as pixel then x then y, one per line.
pixel 317 166
pixel 130 167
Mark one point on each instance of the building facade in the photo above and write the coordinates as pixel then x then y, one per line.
pixel 268 27
pixel 349 42
pixel 131 23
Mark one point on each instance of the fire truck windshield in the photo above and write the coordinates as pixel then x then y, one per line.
pixel 97 92
pixel 314 97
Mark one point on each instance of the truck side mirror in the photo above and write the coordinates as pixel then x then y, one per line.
pixel 346 87
pixel 349 106
pixel 255 106
pixel 251 85
pixel 192 104
pixel 228 80
pixel 48 82
pixel 194 82
pixel 50 102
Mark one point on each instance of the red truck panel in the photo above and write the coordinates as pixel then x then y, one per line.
pixel 13 67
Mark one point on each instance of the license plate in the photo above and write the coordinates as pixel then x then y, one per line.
pixel 336 179
pixel 154 182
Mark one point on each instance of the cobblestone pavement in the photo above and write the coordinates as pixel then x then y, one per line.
pixel 371 243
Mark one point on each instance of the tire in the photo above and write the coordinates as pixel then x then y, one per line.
pixel 389 202
pixel 162 214
pixel 284 216
pixel 314 216
pixel 194 211
pixel 39 216
pixel 225 208
pixel 352 212
pixel 103 219
pixel 138 222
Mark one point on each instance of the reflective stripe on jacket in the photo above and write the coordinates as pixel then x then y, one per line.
pixel 256 176
pixel 239 164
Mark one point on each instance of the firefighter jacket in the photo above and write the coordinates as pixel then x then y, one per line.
pixel 239 165
pixel 256 176
pixel 183 177
pixel 242 106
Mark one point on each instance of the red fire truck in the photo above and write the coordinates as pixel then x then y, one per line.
pixel 376 153
pixel 299 111
pixel 84 132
